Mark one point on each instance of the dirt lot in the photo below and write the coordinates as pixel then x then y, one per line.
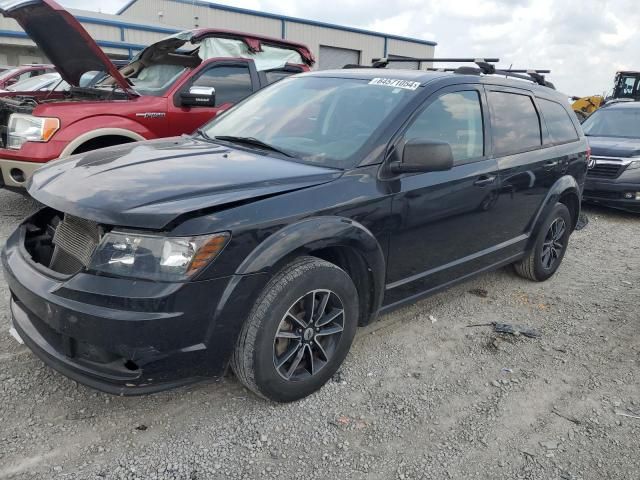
pixel 420 396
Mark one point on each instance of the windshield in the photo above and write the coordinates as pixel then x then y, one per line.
pixel 618 122
pixel 316 119
pixel 35 83
pixel 150 80
pixel 8 73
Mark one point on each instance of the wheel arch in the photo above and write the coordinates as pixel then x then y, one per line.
pixel 338 240
pixel 565 190
pixel 100 133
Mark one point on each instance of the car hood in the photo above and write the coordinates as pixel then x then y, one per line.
pixel 62 39
pixel 150 184
pixel 614 147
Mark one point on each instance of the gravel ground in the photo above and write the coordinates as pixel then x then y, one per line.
pixel 420 396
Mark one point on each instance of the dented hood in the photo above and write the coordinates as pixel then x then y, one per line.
pixel 150 184
pixel 62 39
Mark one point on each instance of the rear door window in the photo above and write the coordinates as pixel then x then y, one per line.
pixel 515 123
pixel 558 122
pixel 455 118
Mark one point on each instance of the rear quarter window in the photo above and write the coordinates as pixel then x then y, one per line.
pixel 561 128
pixel 515 124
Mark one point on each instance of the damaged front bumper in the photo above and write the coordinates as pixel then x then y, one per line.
pixel 125 336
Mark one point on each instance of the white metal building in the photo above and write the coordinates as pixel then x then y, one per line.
pixel 141 22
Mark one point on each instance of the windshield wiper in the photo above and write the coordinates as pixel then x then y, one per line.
pixel 205 135
pixel 251 141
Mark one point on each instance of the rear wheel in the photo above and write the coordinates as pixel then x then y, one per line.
pixel 551 244
pixel 299 331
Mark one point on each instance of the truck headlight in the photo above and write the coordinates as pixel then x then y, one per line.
pixel 156 257
pixel 27 128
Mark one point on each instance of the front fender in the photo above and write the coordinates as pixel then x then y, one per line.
pixel 317 233
pixel 566 185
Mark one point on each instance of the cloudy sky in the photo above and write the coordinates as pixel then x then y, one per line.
pixel 583 42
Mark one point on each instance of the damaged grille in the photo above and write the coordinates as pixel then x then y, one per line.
pixel 74 240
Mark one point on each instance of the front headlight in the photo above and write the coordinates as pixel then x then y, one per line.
pixel 27 128
pixel 634 164
pixel 156 257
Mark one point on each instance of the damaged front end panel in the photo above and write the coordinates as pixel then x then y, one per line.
pixel 61 243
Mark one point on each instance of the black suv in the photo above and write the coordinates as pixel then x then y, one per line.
pixel 265 239
pixel 614 137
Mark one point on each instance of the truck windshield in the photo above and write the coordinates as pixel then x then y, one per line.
pixel 152 80
pixel 316 119
pixel 618 122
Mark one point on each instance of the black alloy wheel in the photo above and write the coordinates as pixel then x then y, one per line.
pixel 308 335
pixel 299 331
pixel 553 245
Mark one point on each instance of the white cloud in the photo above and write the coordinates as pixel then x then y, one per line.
pixel 583 42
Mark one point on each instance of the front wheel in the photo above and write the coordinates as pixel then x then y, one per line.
pixel 551 245
pixel 299 331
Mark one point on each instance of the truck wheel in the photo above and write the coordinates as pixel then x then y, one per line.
pixel 551 244
pixel 299 331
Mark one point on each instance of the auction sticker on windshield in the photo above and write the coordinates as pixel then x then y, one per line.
pixel 395 83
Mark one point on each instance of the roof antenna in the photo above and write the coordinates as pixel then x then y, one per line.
pixel 510 67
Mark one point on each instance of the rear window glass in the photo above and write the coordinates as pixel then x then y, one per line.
pixel 558 122
pixel 515 123
pixel 275 75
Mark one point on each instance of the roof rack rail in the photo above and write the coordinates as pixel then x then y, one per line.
pixel 383 62
pixel 484 66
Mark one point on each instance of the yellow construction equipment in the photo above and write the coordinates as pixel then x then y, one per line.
pixel 626 86
pixel 585 106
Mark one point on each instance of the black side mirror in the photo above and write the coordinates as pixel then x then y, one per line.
pixel 424 156
pixel 198 97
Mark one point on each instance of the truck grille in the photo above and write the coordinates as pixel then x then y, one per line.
pixel 74 240
pixel 609 168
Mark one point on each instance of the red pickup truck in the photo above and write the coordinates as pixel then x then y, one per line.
pixel 170 88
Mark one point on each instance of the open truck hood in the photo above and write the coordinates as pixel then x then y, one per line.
pixel 62 39
pixel 150 184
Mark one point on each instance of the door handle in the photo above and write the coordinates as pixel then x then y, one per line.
pixel 485 180
pixel 551 164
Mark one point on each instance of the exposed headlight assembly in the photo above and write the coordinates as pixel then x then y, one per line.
pixel 156 257
pixel 634 164
pixel 27 128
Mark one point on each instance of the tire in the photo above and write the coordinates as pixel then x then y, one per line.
pixel 282 309
pixel 545 257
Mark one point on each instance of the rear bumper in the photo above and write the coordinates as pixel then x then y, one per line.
pixel 123 336
pixel 611 192
pixel 14 174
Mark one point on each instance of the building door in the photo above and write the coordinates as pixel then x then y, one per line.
pixel 334 57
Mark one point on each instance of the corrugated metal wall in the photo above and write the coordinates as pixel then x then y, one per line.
pixel 145 16
pixel 183 15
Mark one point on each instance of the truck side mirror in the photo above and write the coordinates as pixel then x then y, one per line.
pixel 420 156
pixel 198 97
